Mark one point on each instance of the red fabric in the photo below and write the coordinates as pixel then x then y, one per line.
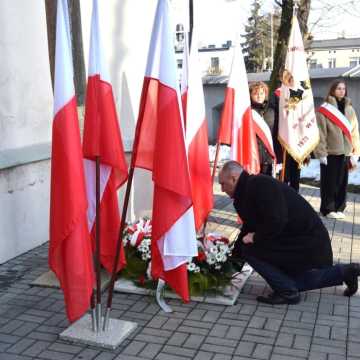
pixel 102 138
pixel 261 134
pixel 201 182
pixel 248 153
pixel 69 252
pixel 227 118
pixel 247 149
pixel 332 117
pixel 277 92
pixel 160 148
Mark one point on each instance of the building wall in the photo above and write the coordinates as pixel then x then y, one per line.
pixel 26 103
pixel 342 57
pixel 214 98
pixel 25 114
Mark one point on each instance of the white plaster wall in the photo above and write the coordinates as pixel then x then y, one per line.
pixel 25 85
pixel 24 204
pixel 25 119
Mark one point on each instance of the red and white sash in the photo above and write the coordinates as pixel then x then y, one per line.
pixel 263 132
pixel 337 117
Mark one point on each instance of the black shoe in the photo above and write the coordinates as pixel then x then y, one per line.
pixel 351 274
pixel 280 299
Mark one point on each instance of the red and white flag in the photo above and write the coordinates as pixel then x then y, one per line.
pixel 159 146
pixel 196 135
pixel 70 255
pixel 236 123
pixel 298 130
pixel 102 138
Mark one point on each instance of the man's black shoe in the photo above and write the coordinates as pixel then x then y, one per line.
pixel 278 299
pixel 351 274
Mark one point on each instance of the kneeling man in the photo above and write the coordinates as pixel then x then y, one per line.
pixel 282 237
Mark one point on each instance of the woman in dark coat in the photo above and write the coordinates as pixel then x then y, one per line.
pixel 259 103
pixel 282 237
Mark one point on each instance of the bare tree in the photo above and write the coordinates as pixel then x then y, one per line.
pixel 76 44
pixel 287 7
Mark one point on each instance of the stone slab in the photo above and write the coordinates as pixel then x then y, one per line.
pixel 227 297
pixel 81 332
pixel 49 279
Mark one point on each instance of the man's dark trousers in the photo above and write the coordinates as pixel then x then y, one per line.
pixel 308 280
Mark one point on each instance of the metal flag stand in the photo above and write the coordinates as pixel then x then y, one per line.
pixel 89 329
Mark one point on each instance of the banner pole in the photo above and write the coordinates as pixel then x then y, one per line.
pixel 98 244
pixel 283 170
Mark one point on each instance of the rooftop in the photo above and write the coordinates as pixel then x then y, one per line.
pixel 314 74
pixel 341 43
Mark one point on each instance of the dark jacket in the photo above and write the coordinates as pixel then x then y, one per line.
pixel 268 115
pixel 274 105
pixel 288 232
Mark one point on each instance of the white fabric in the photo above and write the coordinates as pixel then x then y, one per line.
pixel 179 245
pixel 297 121
pixel 195 109
pixel 238 81
pixel 162 42
pixel 96 53
pixel 90 180
pixel 63 79
pixel 264 127
pixel 339 115
pixel 323 160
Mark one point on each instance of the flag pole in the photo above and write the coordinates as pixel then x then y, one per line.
pixel 212 180
pixel 97 251
pixel 283 170
pixel 191 21
pixel 122 223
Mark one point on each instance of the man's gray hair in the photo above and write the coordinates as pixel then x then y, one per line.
pixel 232 167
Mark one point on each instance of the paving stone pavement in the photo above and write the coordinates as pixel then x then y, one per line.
pixel 324 326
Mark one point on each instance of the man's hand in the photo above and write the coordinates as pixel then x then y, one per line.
pixel 248 238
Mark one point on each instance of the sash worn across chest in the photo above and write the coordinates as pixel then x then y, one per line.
pixel 338 118
pixel 263 132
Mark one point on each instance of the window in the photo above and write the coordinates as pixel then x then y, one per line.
pixel 332 63
pixel 179 63
pixel 215 64
pixel 354 61
pixel 313 64
pixel 179 33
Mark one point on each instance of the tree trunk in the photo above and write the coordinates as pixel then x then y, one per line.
pixel 77 50
pixel 50 9
pixel 284 34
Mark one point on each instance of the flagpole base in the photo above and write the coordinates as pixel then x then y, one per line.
pixel 81 332
pixel 160 297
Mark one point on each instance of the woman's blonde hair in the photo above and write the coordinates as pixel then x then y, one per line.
pixel 256 86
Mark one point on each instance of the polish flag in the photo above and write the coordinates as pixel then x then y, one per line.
pixel 159 146
pixel 70 256
pixel 236 124
pixel 102 138
pixel 197 137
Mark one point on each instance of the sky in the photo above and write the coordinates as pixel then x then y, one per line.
pixel 219 20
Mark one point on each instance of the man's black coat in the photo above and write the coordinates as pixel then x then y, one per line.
pixel 288 232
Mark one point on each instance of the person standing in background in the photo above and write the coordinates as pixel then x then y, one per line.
pixel 292 169
pixel 338 150
pixel 263 117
